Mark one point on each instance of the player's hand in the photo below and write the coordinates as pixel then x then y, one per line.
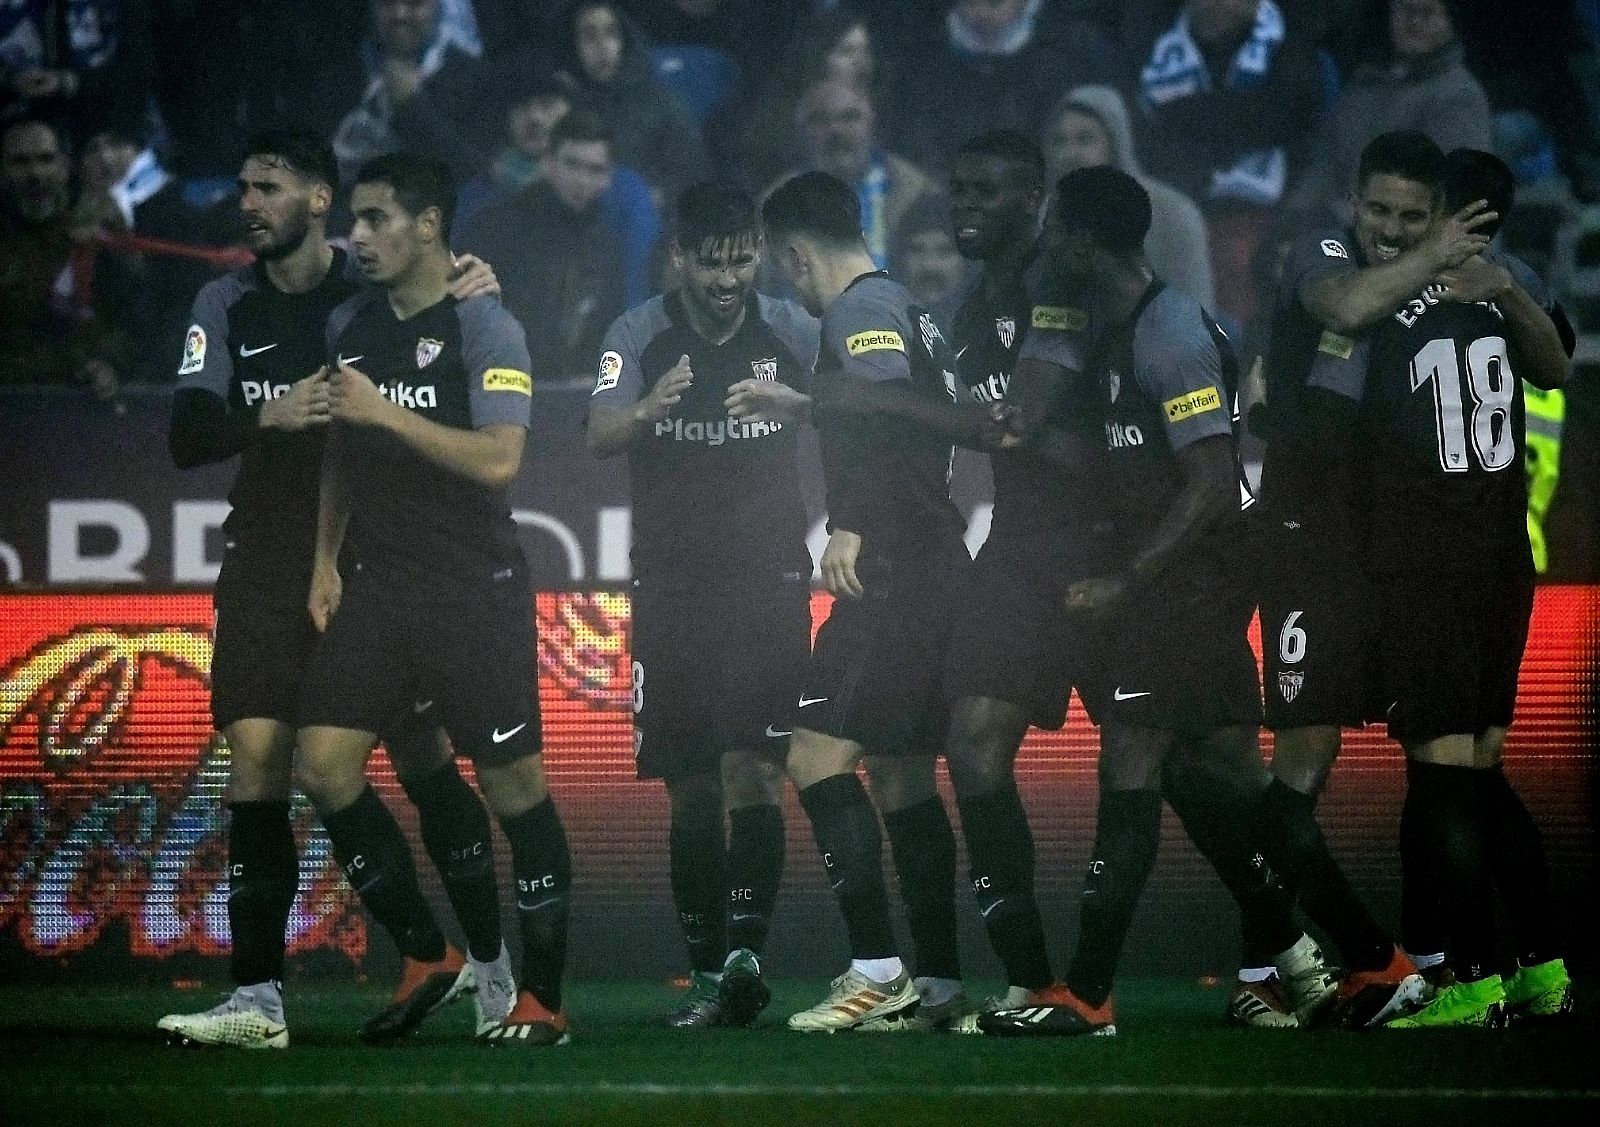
pixel 1097 595
pixel 839 565
pixel 767 401
pixel 1476 279
pixel 305 404
pixel 354 398
pixel 326 590
pixel 473 277
pixel 1002 428
pixel 1455 239
pixel 667 393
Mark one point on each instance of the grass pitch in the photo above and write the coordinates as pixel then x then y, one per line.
pixel 91 1055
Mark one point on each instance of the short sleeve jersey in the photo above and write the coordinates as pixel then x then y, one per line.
pixel 1161 380
pixel 458 364
pixel 716 501
pixel 1303 354
pixel 1444 437
pixel 248 342
pixel 887 480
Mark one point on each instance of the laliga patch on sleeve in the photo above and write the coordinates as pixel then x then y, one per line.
pixel 875 340
pixel 1195 403
pixel 194 351
pixel 1333 248
pixel 1335 345
pixel 1060 317
pixel 610 372
pixel 508 379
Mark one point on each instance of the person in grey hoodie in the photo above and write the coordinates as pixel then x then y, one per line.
pixel 1089 126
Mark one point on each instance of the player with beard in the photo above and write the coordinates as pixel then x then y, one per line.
pixel 252 384
pixel 721 588
pixel 438 606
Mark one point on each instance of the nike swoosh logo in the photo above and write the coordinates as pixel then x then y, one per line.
pixel 811 700
pixel 775 734
pixel 1120 695
pixel 352 359
pixel 421 706
pixel 521 907
pixel 984 912
pixel 746 916
pixel 962 351
pixel 500 737
pixel 245 353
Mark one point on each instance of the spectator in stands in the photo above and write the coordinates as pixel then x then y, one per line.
pixel 990 71
pixel 752 136
pixel 1227 93
pixel 1421 83
pixel 426 90
pixel 605 66
pixel 87 63
pixel 56 292
pixel 838 129
pixel 1090 127
pixel 560 266
pixel 628 205
pixel 925 260
pixel 749 35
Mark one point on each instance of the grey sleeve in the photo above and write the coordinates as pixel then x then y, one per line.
pixel 1177 363
pixel 1059 331
pixel 795 327
pixel 1312 259
pixel 207 365
pixel 1340 365
pixel 494 352
pixel 1525 277
pixel 867 333
pixel 620 381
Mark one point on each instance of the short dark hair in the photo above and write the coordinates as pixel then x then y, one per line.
pixel 581 125
pixel 1472 174
pixel 816 205
pixel 1107 205
pixel 1012 146
pixel 1407 153
pixel 715 213
pixel 305 153
pixel 419 182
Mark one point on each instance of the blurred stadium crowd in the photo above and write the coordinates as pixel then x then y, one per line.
pixel 570 126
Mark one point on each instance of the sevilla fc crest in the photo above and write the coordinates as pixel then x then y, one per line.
pixel 1006 329
pixel 1289 684
pixel 428 351
pixel 765 369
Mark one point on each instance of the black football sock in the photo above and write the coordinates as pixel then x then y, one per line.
pixel 847 833
pixel 542 866
pixel 459 840
pixel 1001 856
pixel 1127 837
pixel 1446 807
pixel 755 870
pixel 1421 915
pixel 699 884
pixel 1298 853
pixel 263 876
pixel 1521 873
pixel 1217 820
pixel 377 862
pixel 924 850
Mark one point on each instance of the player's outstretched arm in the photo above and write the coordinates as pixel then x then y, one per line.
pixel 965 424
pixel 1351 301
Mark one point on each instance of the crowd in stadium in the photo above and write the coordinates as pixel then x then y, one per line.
pixel 1198 165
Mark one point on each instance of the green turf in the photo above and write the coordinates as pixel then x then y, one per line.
pixel 86 1055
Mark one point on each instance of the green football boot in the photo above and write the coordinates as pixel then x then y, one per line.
pixel 1480 1005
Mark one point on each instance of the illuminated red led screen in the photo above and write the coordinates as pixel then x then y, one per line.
pixel 111 785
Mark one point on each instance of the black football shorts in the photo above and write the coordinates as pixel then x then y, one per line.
pixel 470 663
pixel 715 671
pixel 262 643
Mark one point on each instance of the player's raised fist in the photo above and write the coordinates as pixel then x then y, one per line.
pixel 668 392
pixel 304 405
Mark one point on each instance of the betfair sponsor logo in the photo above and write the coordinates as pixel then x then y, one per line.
pixel 508 379
pixel 714 432
pixel 1333 344
pixel 1062 318
pixel 1195 403
pixel 408 395
pixel 875 340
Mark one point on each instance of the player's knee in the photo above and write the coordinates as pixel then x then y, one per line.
pixel 262 761
pixel 417 754
pixel 814 756
pixel 751 779
pixel 331 781
pixel 1303 757
pixel 901 781
pixel 513 788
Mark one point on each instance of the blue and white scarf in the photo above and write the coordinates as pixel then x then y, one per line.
pixel 1176 69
